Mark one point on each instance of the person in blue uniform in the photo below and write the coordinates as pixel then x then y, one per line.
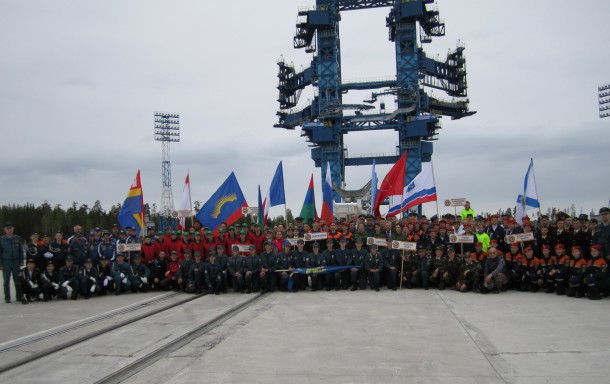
pixel 11 259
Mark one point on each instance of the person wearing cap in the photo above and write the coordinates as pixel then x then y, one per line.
pixel 76 229
pixel 316 260
pixel 597 274
pixel 391 265
pixel 424 264
pixel 196 275
pixel 532 276
pixel 173 244
pixel 343 257
pixel 88 280
pixel 330 281
pixel 439 266
pixel 358 275
pixel 257 237
pixel 148 251
pixel 301 259
pixel 543 237
pixel 252 269
pixel 183 269
pixel 170 280
pixel 223 260
pixel 235 268
pixel 197 245
pixel 142 278
pixel 577 273
pixel 132 238
pixel 468 276
pixel 213 274
pixel 209 244
pixel 11 259
pixel 77 248
pixel 374 266
pixel 268 267
pixel 59 248
pixel 121 274
pixel 92 246
pixel 114 233
pixel 284 266
pixel 548 264
pixel 482 236
pixel 602 233
pixel 452 270
pixel 563 269
pixel 106 248
pixel 34 251
pixel 104 276
pixel 69 279
pixel 494 273
pixel 30 282
pixel 50 282
pixel 158 267
pixel 513 259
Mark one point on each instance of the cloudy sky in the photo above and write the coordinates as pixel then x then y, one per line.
pixel 80 80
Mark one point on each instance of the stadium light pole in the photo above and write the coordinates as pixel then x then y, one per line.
pixel 167 130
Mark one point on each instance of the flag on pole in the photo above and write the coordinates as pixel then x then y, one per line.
pixel 421 190
pixel 308 212
pixel 186 208
pixel 373 185
pixel 528 198
pixel 392 187
pixel 260 208
pixel 276 194
pixel 327 197
pixel 132 210
pixel 223 206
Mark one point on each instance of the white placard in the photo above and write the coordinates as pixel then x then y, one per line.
pixel 375 240
pixel 520 237
pixel 249 211
pixel 461 239
pixel 316 236
pixel 131 247
pixel 404 245
pixel 459 202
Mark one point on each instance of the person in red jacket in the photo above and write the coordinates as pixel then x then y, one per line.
pixel 197 245
pixel 171 279
pixel 173 244
pixel 148 252
pixel 257 237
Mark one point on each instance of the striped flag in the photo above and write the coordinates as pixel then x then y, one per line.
pixel 308 212
pixel 327 197
pixel 276 194
pixel 528 198
pixel 421 190
pixel 132 210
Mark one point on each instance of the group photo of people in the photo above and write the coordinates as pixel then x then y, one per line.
pixel 565 256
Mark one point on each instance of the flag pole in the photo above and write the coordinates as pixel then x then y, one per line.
pixel 286 215
pixel 434 181
pixel 536 189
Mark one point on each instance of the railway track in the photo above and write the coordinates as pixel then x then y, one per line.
pixel 116 376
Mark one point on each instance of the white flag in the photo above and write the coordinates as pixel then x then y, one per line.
pixel 186 209
pixel 528 198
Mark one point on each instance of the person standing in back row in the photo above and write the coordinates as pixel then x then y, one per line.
pixel 11 258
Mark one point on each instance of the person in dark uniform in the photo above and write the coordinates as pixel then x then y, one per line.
pixel 31 282
pixel 439 266
pixel 223 259
pixel 300 259
pixel 285 265
pixel 374 266
pixel 69 279
pixel 548 263
pixel 268 267
pixel 183 269
pixel 597 274
pixel 141 275
pixel 358 275
pixel 577 273
pixel 235 267
pixel 50 282
pixel 329 259
pixel 494 273
pixel 316 260
pixel 421 277
pixel 35 252
pixel 104 276
pixel 121 274
pixel 496 231
pixel 452 272
pixel 252 270
pixel 78 249
pixel 213 274
pixel 88 280
pixel 531 272
pixel 466 279
pixel 343 257
pixel 391 259
pixel 11 259
pixel 157 270
pixel 563 269
pixel 196 275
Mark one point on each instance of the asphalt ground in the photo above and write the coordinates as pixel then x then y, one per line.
pixel 412 336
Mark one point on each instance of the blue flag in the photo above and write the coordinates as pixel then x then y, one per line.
pixel 224 205
pixel 277 195
pixel 132 210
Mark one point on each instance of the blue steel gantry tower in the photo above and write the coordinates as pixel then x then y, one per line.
pixel 416 116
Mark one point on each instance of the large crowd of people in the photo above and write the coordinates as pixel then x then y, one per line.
pixel 567 256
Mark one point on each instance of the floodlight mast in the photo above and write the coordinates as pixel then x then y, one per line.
pixel 603 93
pixel 167 130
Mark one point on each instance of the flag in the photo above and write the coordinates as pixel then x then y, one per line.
pixel 186 208
pixel 327 197
pixel 421 190
pixel 260 208
pixel 223 206
pixel 276 190
pixel 392 186
pixel 276 195
pixel 373 185
pixel 308 212
pixel 528 198
pixel 132 210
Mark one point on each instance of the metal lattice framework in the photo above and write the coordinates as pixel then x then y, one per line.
pixel 415 116
pixel 167 130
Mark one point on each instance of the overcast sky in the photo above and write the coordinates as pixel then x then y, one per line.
pixel 80 81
